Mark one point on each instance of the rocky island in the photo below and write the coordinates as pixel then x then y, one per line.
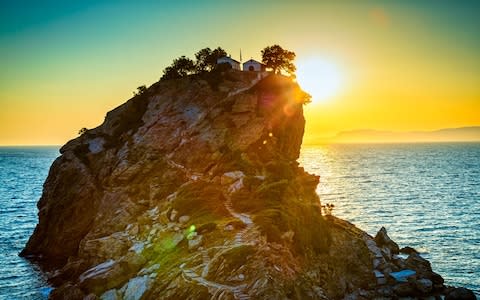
pixel 192 190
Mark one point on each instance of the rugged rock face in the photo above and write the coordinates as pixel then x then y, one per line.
pixel 192 190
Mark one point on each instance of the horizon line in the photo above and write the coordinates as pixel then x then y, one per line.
pixel 306 143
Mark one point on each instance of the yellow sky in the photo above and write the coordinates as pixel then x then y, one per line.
pixel 428 97
pixel 404 65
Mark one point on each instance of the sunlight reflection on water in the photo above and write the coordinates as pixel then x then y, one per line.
pixel 426 195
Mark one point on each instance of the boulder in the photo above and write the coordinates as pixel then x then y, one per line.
pixel 183 219
pixel 383 240
pixel 460 294
pixel 136 287
pixel 404 289
pixel 424 285
pixel 420 265
pixel 408 250
pixel 67 291
pixel 385 291
pixel 108 247
pixel 415 259
pixel 173 215
pixel 195 242
pixel 380 277
pixel 399 263
pixel 110 295
pixel 90 297
pixel 230 177
pixel 436 278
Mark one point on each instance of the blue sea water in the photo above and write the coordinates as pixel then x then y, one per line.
pixel 426 195
pixel 22 173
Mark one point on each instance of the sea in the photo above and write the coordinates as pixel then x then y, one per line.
pixel 427 196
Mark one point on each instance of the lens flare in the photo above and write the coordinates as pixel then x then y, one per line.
pixel 321 78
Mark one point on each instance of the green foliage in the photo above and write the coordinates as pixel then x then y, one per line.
pixel 272 192
pixel 128 117
pixel 276 208
pixel 327 209
pixel 223 67
pixel 82 131
pixel 231 259
pixel 310 231
pixel 278 59
pixel 140 90
pixel 278 170
pixel 180 67
pixel 207 59
pixel 272 223
pixel 200 200
pixel 266 195
pixel 237 256
pixel 304 97
pixel 234 160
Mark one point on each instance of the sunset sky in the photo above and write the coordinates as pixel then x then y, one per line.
pixel 402 65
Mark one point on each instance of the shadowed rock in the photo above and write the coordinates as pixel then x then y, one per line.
pixel 383 240
pixel 460 294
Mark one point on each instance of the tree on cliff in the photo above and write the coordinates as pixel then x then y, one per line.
pixel 82 131
pixel 278 59
pixel 140 90
pixel 180 67
pixel 207 59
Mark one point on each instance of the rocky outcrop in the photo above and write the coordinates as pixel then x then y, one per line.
pixel 460 294
pixel 192 190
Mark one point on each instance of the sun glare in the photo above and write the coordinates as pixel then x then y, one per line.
pixel 320 78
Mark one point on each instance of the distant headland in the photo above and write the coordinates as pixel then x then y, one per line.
pixel 461 134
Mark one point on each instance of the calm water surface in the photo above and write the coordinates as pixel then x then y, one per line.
pixel 22 173
pixel 426 195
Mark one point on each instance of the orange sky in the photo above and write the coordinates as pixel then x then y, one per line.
pixel 403 65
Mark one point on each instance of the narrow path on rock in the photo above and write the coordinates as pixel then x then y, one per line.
pixel 260 76
pixel 189 274
pixel 245 218
pixel 206 262
pixel 237 291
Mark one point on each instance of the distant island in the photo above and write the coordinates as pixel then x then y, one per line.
pixel 461 134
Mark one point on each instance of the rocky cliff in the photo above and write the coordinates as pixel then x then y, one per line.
pixel 191 190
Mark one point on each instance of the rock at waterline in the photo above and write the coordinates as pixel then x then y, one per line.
pixel 382 239
pixel 460 294
pixel 408 250
pixel 424 285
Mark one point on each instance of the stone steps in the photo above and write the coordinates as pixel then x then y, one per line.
pixel 237 291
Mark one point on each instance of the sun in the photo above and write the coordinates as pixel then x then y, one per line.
pixel 319 77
